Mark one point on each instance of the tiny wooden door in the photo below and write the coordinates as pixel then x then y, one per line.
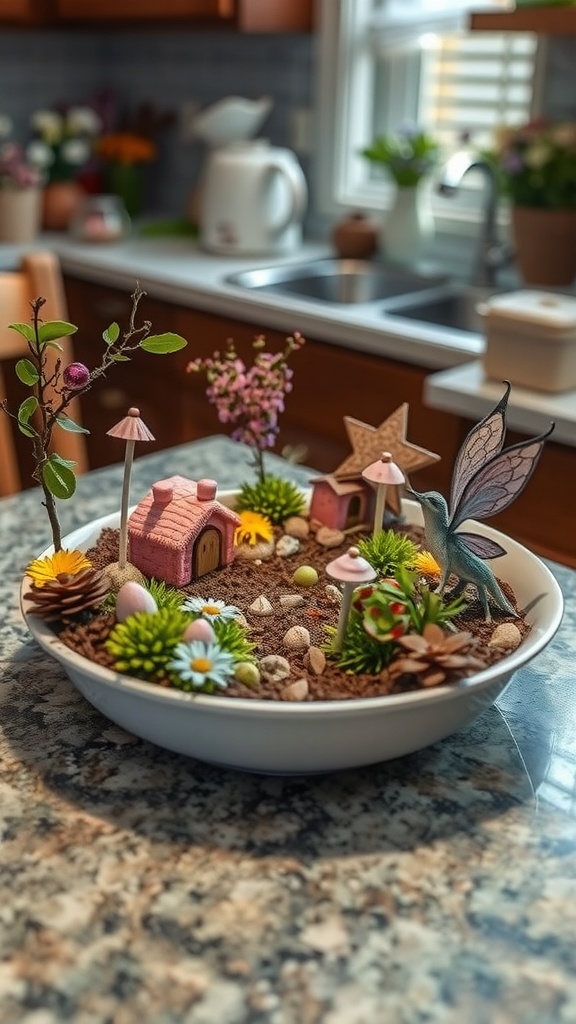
pixel 206 553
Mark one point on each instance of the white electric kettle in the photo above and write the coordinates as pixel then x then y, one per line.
pixel 253 200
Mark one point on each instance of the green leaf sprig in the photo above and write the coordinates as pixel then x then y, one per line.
pixel 43 410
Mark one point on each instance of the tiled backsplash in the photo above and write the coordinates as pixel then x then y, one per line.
pixel 171 67
pixel 168 68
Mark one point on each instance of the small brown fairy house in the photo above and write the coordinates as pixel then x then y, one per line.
pixel 180 531
pixel 340 503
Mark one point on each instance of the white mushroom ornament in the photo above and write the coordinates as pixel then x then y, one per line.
pixel 383 473
pixel 350 570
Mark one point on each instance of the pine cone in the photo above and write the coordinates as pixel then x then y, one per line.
pixel 435 656
pixel 68 595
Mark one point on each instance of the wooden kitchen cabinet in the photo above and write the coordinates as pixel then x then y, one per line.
pixel 544 20
pixel 244 15
pixel 24 12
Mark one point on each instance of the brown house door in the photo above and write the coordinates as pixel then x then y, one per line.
pixel 206 552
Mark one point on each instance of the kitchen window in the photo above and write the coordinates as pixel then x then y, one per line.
pixel 388 62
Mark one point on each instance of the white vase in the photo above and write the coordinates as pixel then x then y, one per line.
pixel 20 214
pixel 409 226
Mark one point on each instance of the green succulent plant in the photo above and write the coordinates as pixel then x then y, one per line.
pixel 164 595
pixel 272 497
pixel 143 643
pixel 387 550
pixel 382 613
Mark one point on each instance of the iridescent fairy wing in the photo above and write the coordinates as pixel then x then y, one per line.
pixel 484 547
pixel 500 481
pixel 484 440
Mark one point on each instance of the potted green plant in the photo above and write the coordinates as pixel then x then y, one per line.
pixel 407 157
pixel 537 167
pixel 62 146
pixel 20 190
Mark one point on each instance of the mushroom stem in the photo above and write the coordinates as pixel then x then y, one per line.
pixel 343 616
pixel 128 459
pixel 379 509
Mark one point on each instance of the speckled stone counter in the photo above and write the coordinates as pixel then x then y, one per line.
pixel 140 886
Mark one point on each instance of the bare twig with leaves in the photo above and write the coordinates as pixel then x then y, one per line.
pixel 54 387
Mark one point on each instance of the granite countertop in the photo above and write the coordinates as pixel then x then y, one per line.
pixel 138 885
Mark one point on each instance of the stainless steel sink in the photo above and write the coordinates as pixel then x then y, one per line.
pixel 334 281
pixel 449 306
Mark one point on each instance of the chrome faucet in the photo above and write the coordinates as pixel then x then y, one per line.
pixel 491 253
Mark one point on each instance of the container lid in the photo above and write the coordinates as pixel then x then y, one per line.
pixel 549 310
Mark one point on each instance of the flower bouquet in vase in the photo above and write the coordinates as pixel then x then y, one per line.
pixel 537 167
pixel 407 157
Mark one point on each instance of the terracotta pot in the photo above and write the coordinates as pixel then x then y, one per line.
pixel 355 237
pixel 545 242
pixel 62 201
pixel 20 214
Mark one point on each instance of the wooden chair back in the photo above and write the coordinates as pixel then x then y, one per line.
pixel 39 274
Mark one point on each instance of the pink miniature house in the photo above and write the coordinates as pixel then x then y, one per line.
pixel 180 532
pixel 341 503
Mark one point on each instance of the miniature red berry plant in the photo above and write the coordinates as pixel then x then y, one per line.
pixel 54 387
pixel 250 398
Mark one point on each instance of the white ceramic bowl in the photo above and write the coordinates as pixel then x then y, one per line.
pixel 277 737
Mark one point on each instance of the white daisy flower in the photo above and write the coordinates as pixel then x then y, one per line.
pixel 210 609
pixel 201 664
pixel 39 154
pixel 82 121
pixel 75 151
pixel 49 125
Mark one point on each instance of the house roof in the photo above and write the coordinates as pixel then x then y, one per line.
pixel 172 511
pixel 340 487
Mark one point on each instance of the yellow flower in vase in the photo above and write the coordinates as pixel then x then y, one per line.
pixel 124 154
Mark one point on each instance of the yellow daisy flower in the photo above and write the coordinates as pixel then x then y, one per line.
pixel 253 527
pixel 427 564
pixel 45 570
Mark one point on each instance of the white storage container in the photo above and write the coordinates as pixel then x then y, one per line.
pixel 531 339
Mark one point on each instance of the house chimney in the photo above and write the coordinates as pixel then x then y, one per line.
pixel 162 492
pixel 206 490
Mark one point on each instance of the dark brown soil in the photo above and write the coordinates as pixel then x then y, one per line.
pixel 244 581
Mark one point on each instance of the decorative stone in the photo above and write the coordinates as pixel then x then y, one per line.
pixel 507 636
pixel 288 601
pixel 261 606
pixel 315 660
pixel 333 594
pixel 297 638
pixel 287 546
pixel 298 690
pixel 274 668
pixel 262 550
pixel 132 598
pixel 117 576
pixel 305 576
pixel 248 673
pixel 296 526
pixel 330 538
pixel 200 629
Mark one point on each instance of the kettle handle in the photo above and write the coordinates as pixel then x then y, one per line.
pixel 294 176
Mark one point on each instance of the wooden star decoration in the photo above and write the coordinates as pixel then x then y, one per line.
pixel 369 442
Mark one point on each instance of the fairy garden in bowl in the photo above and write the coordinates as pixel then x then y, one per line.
pixel 274 628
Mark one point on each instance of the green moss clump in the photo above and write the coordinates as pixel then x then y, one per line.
pixel 387 551
pixel 143 644
pixel 231 637
pixel 272 497
pixel 165 595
